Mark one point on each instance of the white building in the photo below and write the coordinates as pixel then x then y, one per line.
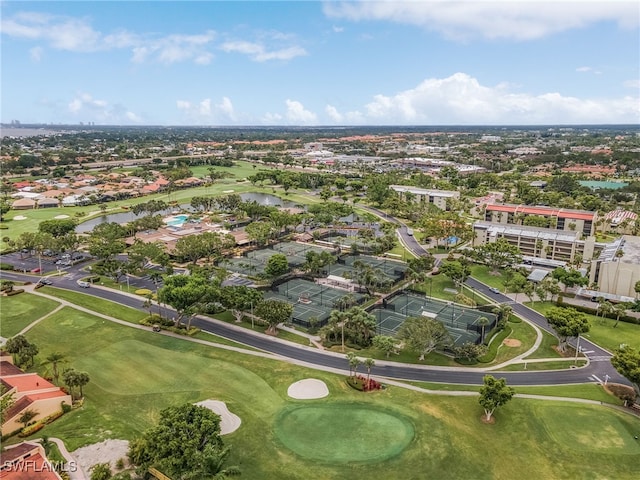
pixel 439 198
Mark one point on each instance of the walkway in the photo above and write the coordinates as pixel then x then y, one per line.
pixel 73 468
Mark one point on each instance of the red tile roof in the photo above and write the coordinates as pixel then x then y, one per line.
pixel 8 368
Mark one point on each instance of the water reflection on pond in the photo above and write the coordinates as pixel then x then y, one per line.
pixel 125 217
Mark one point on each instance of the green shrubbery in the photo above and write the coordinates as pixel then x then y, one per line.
pixel 13 292
pixel 143 292
pixel 6 266
pixel 494 343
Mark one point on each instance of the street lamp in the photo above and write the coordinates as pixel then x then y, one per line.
pixel 577 349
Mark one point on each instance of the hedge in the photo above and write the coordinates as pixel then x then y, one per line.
pixel 15 291
pixel 593 311
pixel 6 266
pixel 495 342
pixel 143 291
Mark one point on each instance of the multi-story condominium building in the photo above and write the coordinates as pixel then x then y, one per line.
pixel 617 268
pixel 563 219
pixel 439 198
pixel 545 243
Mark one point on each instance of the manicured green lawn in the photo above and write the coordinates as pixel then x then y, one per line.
pixel 521 331
pixel 18 311
pixel 546 350
pixel 601 329
pixel 557 365
pixel 134 374
pixel 96 304
pixel 588 391
pixel 343 432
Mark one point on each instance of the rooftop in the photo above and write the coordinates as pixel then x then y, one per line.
pixel 528 232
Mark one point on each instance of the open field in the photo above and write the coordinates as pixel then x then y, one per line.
pixel 23 310
pixel 136 373
pixel 602 331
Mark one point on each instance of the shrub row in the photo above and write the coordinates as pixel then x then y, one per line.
pixel 143 291
pixel 360 383
pixel 15 291
pixel 593 311
pixel 494 344
pixel 6 266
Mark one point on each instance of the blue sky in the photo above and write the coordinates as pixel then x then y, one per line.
pixel 418 62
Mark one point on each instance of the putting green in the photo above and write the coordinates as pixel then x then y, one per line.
pixel 343 432
pixel 606 432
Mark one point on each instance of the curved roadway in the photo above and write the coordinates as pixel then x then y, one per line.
pixel 595 371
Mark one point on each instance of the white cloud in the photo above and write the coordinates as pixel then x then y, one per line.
pixel 297 114
pixel 271 45
pixel 206 111
pixel 133 117
pixel 77 35
pixel 36 53
pixel 632 83
pixel 462 100
pixel 588 70
pixel 334 115
pixel 518 20
pixel 85 106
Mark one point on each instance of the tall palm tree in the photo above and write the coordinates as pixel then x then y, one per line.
pixel 54 359
pixel 369 362
pixel 483 322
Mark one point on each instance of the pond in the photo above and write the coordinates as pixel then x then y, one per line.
pixel 125 217
pixel 267 200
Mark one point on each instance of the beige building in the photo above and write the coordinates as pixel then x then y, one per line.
pixel 30 392
pixel 545 243
pixel 617 268
pixel 564 219
pixel 439 198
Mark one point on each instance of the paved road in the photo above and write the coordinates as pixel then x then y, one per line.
pixel 409 240
pixel 320 359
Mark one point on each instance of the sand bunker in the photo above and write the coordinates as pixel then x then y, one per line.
pixel 61 217
pixel 229 422
pixel 109 451
pixel 512 342
pixel 19 217
pixel 307 389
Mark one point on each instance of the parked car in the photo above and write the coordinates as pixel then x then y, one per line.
pixel 83 284
pixel 36 270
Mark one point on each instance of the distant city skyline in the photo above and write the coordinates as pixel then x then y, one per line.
pixel 305 63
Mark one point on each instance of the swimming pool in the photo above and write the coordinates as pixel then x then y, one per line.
pixel 176 220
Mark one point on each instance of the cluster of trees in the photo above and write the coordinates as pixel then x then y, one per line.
pixel 197 294
pixel 185 443
pixel 351 326
pixel 22 351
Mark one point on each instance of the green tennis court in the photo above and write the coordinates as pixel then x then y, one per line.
pixel 461 321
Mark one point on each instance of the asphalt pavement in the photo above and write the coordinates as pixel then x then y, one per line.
pixel 596 371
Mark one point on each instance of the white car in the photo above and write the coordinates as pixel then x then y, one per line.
pixel 494 290
pixel 83 284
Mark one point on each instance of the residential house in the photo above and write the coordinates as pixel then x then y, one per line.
pixel 26 461
pixel 30 392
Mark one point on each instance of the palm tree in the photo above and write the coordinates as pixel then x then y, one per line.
pixel 27 416
pixel 339 317
pixel 353 363
pixel 619 309
pixel 369 362
pixel 54 359
pixel 483 322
